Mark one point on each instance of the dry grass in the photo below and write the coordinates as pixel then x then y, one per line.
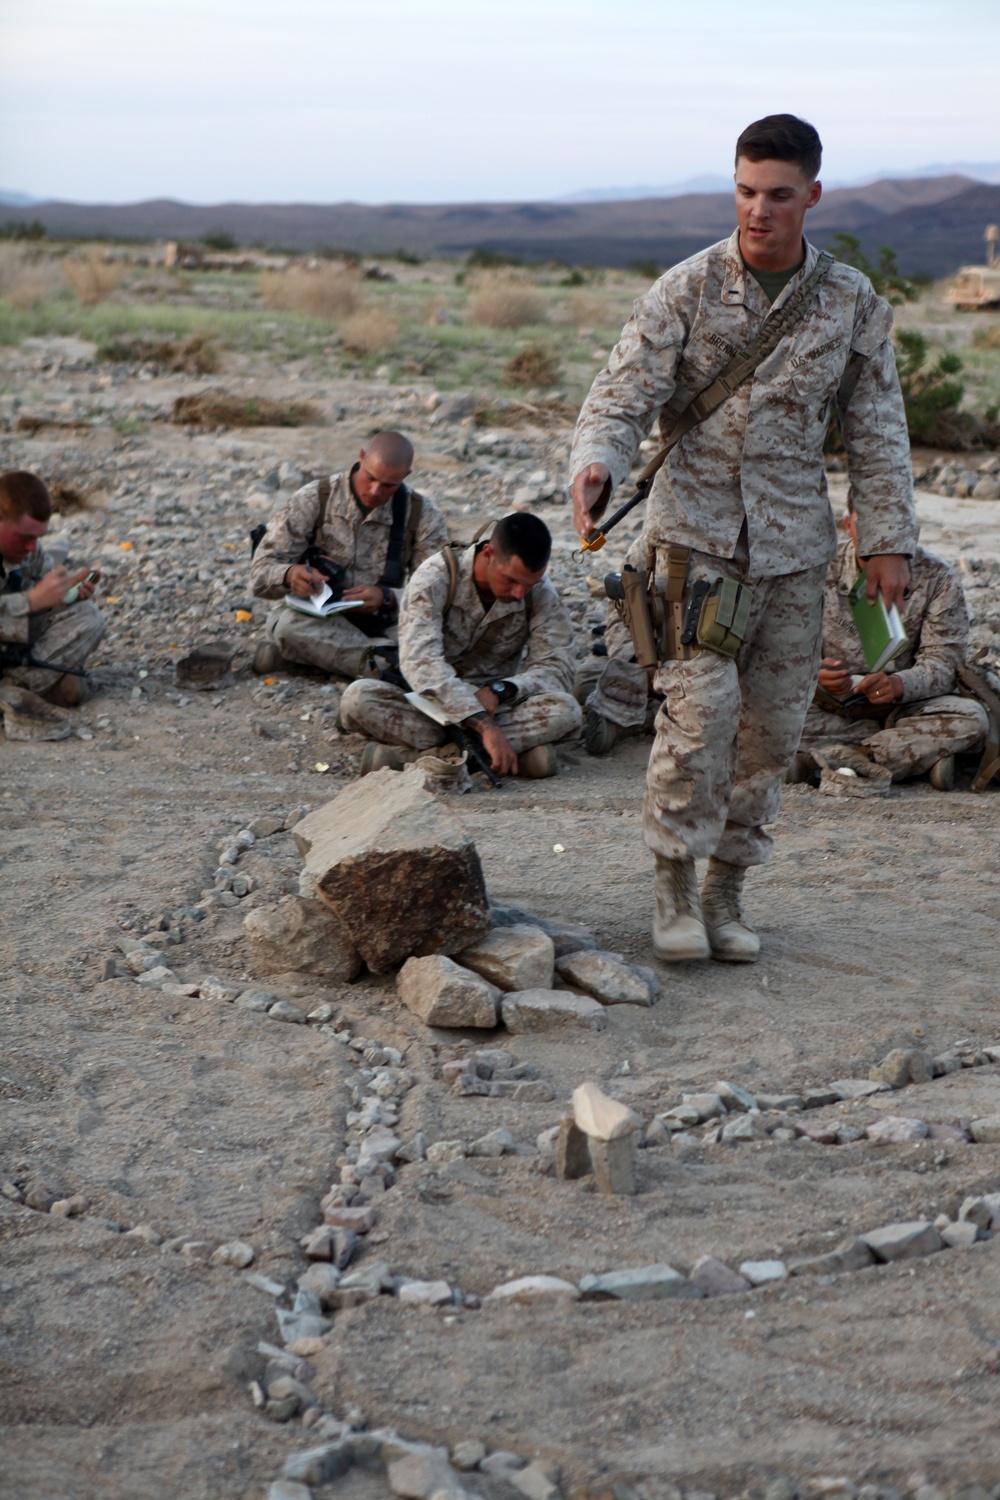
pixel 331 291
pixel 987 338
pixel 196 355
pixel 370 331
pixel 66 497
pixel 219 409
pixel 534 366
pixel 587 310
pixel 25 279
pixel 501 299
pixel 92 277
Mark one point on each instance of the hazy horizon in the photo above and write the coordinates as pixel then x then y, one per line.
pixel 210 101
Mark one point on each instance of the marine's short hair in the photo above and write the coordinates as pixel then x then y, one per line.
pixel 24 494
pixel 390 448
pixel 782 138
pixel 525 537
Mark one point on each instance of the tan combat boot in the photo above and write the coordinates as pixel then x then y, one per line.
pixel 732 939
pixel 678 927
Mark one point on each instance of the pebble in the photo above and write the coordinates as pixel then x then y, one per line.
pixel 706 1107
pixel 295 1325
pixel 745 1128
pixel 258 1001
pixel 234 1253
pixel 760 1272
pixel 468 1454
pixel 986 1130
pixel 157 977
pixel 442 1151
pixel 904 1241
pixel 960 1235
pixel 496 1143
pixel 265 1284
pixel 713 1278
pixel 639 1284
pixel 734 1097
pixel 896 1129
pixel 535 1482
pixel 852 1255
pixel 289 1489
pixel 857 1088
pixel 212 988
pixel 428 1293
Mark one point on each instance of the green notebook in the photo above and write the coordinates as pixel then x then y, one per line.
pixel 880 630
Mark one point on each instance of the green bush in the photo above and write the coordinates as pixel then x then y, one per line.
pixel 886 277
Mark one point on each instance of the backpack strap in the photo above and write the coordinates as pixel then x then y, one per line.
pixel 412 526
pixel 394 570
pixel 974 683
pixel 448 553
pixel 323 491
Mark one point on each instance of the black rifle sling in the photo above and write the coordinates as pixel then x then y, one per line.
pixel 395 562
pixel 323 492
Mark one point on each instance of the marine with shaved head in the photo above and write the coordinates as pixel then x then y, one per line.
pixel 364 521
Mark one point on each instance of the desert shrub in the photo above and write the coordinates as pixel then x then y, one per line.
pixel 66 497
pixel 24 279
pixel 92 277
pixel 490 260
pixel 987 338
pixel 587 309
pixel 219 409
pixel 331 291
pixel 647 267
pixel 219 239
pixel 501 300
pixel 370 331
pixel 533 366
pixel 196 355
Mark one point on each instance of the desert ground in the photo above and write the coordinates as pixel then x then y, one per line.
pixel 129 1359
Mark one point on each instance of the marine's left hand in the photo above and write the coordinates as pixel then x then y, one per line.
pixel 889 572
pixel 370 593
pixel 881 688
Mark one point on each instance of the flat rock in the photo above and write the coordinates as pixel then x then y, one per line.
pixel 287 1011
pixel 742 1128
pixel 606 977
pixel 567 937
pixel 323 1279
pixel 961 1235
pixel 572 1156
pixel 600 1117
pixel 760 1272
pixel 468 1453
pixel 551 1010
pixel 530 1289
pixel 496 1143
pixel 301 935
pixel 987 1129
pixel 357 1220
pixel 780 1102
pixel 321 1465
pixel 379 1145
pixel 418 1476
pixel 858 1088
pixel 852 1255
pixel 397 868
pixel 534 1482
pixel 443 993
pixel 234 1253
pixel 905 1241
pixel 714 1278
pixel 614 1164
pixel 819 1098
pixel 707 1107
pixel 428 1293
pixel 977 1211
pixel 896 1128
pixel 639 1284
pixel 519 957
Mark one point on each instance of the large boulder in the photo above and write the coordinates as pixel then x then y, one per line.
pixel 302 935
pixel 397 869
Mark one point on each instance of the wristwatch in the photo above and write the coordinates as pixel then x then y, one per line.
pixel 502 690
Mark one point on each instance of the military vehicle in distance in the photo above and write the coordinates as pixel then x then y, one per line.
pixel 979 286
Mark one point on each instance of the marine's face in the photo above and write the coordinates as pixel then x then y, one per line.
pixel 771 202
pixel 375 482
pixel 18 539
pixel 507 578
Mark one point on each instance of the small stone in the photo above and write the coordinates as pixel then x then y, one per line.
pixel 639 1284
pixel 284 1010
pixel 945 1064
pixel 296 1325
pixel 819 1098
pixel 446 1151
pixel 414 1149
pixel 848 1134
pixel 212 988
pixel 986 1130
pixel 323 1280
pixel 321 1014
pixel 421 1475
pixel 534 1482
pixel 288 1489
pixel 858 1088
pixel 458 1068
pixel 760 1272
pixel 264 826
pixel 946 1133
pixel 427 1293
pixel 682 1114
pixel 442 993
pixel 282 1410
pixel 234 1253
pixel 468 1086
pixel 614 1163
pixel 781 1489
pixel 468 1454
pixel 852 1255
pixel 780 1102
pixel 536 1091
pixel 551 1010
pixel 734 1098
pixel 904 1241
pixel 363 1285
pixel 197 1249
pixel 526 1290
pixel 600 1117
pixel 157 977
pixel 960 1235
pixel 976 1211
pixel 896 1129
pixel 743 1128
pixel 502 1465
pixel 894 1069
pixel 320 1465
pixel 605 976
pixel 713 1278
pixel 708 1106
pixel 265 1284
pixel 657 1133
pixel 358 1220
pixel 519 957
pixel 496 1143
pixel 258 1002
pixel 146 1233
pixel 572 1154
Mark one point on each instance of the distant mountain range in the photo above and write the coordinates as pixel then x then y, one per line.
pixel 714 183
pixel 934 224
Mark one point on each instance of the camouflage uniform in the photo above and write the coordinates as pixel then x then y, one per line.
pixel 616 686
pixel 353 536
pixel 746 491
pixel 66 635
pixel 930 721
pixel 446 657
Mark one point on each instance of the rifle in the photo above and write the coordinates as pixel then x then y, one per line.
pixel 13 654
pixel 465 739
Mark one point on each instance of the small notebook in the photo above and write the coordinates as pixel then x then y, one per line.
pixel 430 709
pixel 880 630
pixel 322 604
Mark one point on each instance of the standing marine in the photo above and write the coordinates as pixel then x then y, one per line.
pixel 739 528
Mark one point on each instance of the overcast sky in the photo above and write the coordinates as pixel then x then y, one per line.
pixel 444 100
